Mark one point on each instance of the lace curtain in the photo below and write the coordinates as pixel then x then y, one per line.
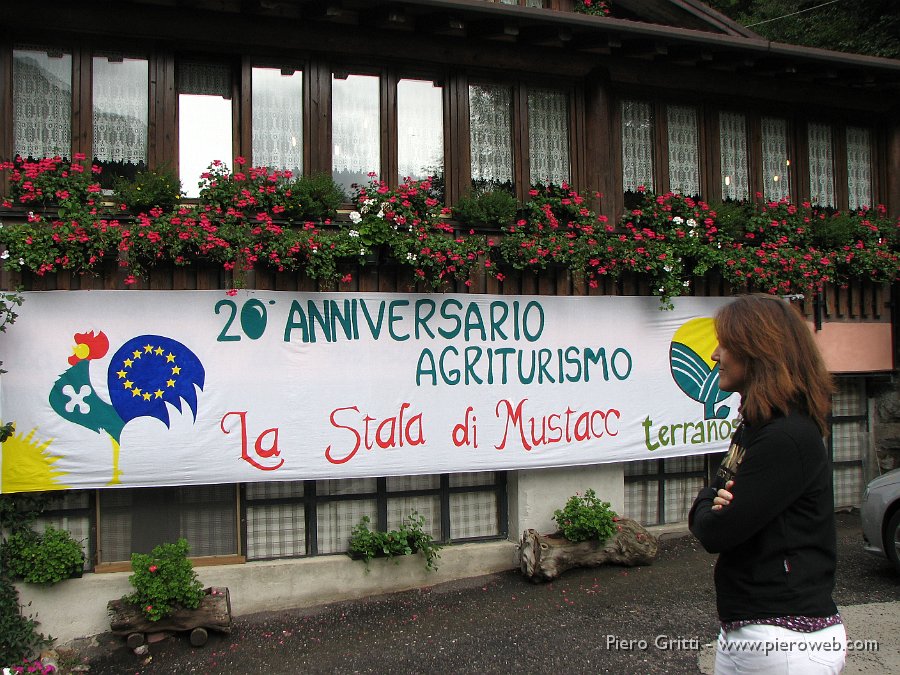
pixel 821 165
pixel 121 113
pixel 684 162
pixel 42 103
pixel 775 162
pixel 355 127
pixel 859 167
pixel 548 136
pixel 733 150
pixel 277 105
pixel 420 129
pixel 490 125
pixel 637 145
pixel 204 120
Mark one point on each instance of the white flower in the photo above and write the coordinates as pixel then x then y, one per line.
pixel 380 213
pixel 685 283
pixel 4 255
pixel 412 257
pixel 678 220
pixel 355 217
pixel 692 222
pixel 662 289
pixel 353 233
pixel 668 268
pixel 21 261
pixel 363 251
pixel 366 205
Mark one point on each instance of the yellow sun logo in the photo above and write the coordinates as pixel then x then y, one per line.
pixel 28 465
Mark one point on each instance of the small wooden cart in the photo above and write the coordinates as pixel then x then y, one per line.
pixel 214 613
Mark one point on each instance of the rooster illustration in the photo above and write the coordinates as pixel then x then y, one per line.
pixel 145 374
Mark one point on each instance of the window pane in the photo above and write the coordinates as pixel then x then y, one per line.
pixel 859 167
pixel 42 103
pixel 278 119
pixel 733 149
pixel 684 162
pixel 355 126
pixel 121 111
pixel 420 127
pixel 776 179
pixel 204 121
pixel 821 165
pixel 637 145
pixel 548 136
pixel 490 125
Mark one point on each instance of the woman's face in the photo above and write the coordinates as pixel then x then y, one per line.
pixel 732 370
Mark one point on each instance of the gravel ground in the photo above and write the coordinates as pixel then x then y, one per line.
pixel 593 620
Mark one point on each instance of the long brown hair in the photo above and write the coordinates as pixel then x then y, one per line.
pixel 784 369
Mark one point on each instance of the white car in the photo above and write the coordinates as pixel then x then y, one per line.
pixel 880 516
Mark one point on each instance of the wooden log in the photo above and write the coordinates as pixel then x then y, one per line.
pixel 543 557
pixel 214 613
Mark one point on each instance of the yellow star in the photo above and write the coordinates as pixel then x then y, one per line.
pixel 158 393
pixel 128 384
pixel 158 351
pixel 136 391
pixel 148 349
pixel 170 383
pixel 146 395
pixel 176 370
pixel 136 353
pixel 170 357
pixel 128 363
pixel 121 374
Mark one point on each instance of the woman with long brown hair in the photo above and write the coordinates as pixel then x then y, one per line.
pixel 769 513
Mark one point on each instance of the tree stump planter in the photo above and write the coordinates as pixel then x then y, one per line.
pixel 214 613
pixel 543 557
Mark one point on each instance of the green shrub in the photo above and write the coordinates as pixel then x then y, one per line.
pixel 42 558
pixel 493 208
pixel 319 196
pixel 163 580
pixel 19 637
pixel 149 189
pixel 586 517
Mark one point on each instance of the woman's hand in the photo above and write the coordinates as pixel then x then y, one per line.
pixel 723 496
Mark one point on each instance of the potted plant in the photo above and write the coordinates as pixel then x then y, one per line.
pixel 148 189
pixel 163 580
pixel 42 558
pixel 408 539
pixel 489 209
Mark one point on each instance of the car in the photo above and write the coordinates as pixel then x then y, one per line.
pixel 880 515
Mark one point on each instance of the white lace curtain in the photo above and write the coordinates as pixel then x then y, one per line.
pixel 733 152
pixel 42 103
pixel 821 165
pixel 684 162
pixel 420 129
pixel 278 119
pixel 775 160
pixel 637 145
pixel 121 110
pixel 490 125
pixel 355 127
pixel 548 136
pixel 859 167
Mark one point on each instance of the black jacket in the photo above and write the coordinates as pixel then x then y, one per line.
pixel 776 539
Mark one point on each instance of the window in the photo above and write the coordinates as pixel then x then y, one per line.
pixel 637 145
pixel 490 136
pixel 733 155
pixel 420 129
pixel 204 120
pixel 775 160
pixel 684 150
pixel 42 103
pixel 355 129
pixel 821 165
pixel 859 167
pixel 548 136
pixel 277 119
pixel 121 115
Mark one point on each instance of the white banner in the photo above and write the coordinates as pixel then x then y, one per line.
pixel 144 388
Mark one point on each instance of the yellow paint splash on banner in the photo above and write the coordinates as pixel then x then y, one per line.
pixel 28 465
